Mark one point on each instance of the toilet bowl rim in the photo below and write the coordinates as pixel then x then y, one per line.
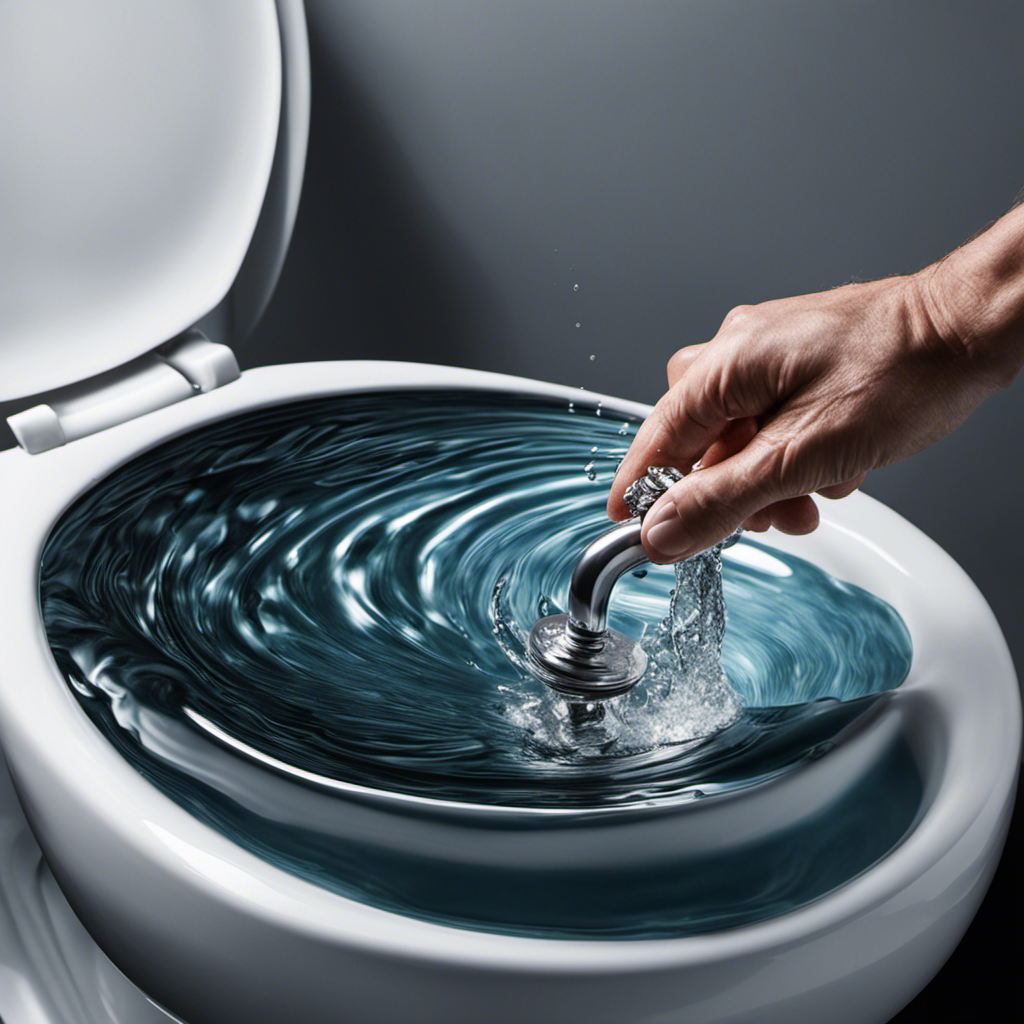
pixel 282 384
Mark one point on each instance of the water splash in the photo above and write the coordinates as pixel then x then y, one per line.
pixel 684 657
pixel 685 695
pixel 307 595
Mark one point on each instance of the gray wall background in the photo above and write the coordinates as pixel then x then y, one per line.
pixel 471 162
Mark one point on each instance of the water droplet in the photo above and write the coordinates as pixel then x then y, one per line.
pixel 639 573
pixel 575 287
pixel 577 324
pixel 699 794
pixel 581 715
pixel 572 407
pixel 592 358
pixel 593 451
pixel 624 430
pixel 590 471
pixel 597 411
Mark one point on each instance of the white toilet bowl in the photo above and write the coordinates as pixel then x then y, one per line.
pixel 215 933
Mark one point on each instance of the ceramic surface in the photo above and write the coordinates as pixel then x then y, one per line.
pixel 51 970
pixel 218 935
pixel 138 144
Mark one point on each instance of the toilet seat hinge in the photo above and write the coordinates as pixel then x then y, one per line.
pixel 186 366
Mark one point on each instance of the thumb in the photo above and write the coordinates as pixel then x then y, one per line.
pixel 715 389
pixel 711 503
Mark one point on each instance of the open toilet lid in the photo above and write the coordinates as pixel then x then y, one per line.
pixel 138 142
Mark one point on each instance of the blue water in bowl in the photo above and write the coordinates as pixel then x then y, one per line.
pixel 337 591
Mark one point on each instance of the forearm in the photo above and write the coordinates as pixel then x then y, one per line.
pixel 828 387
pixel 973 299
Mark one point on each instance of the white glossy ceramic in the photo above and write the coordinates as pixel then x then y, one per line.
pixel 138 142
pixel 218 935
pixel 51 970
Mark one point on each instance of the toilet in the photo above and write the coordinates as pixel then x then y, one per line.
pixel 169 191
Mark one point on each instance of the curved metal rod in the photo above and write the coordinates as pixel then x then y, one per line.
pixel 599 567
pixel 576 653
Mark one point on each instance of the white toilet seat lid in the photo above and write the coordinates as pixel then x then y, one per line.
pixel 138 138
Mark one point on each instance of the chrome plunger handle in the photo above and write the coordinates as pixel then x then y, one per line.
pixel 577 654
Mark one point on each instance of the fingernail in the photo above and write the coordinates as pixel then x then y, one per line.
pixel 666 535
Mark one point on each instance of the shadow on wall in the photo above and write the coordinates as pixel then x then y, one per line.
pixel 372 271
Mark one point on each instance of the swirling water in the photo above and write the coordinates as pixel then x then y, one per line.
pixel 337 592
pixel 685 695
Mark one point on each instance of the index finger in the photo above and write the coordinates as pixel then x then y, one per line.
pixel 679 430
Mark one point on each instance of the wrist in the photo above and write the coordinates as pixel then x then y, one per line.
pixel 971 303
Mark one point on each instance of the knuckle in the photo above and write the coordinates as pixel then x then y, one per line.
pixel 775 467
pixel 787 464
pixel 735 313
pixel 677 362
pixel 828 455
pixel 688 408
pixel 730 388
pixel 740 380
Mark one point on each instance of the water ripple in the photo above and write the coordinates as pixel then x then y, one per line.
pixel 336 592
pixel 319 582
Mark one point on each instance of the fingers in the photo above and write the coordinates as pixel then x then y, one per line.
pixel 716 388
pixel 733 314
pixel 793 515
pixel 682 427
pixel 736 436
pixel 796 516
pixel 842 490
pixel 767 365
pixel 709 504
pixel 704 395
pixel 738 482
pixel 759 522
pixel 682 361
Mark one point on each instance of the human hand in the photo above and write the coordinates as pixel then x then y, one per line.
pixel 806 395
